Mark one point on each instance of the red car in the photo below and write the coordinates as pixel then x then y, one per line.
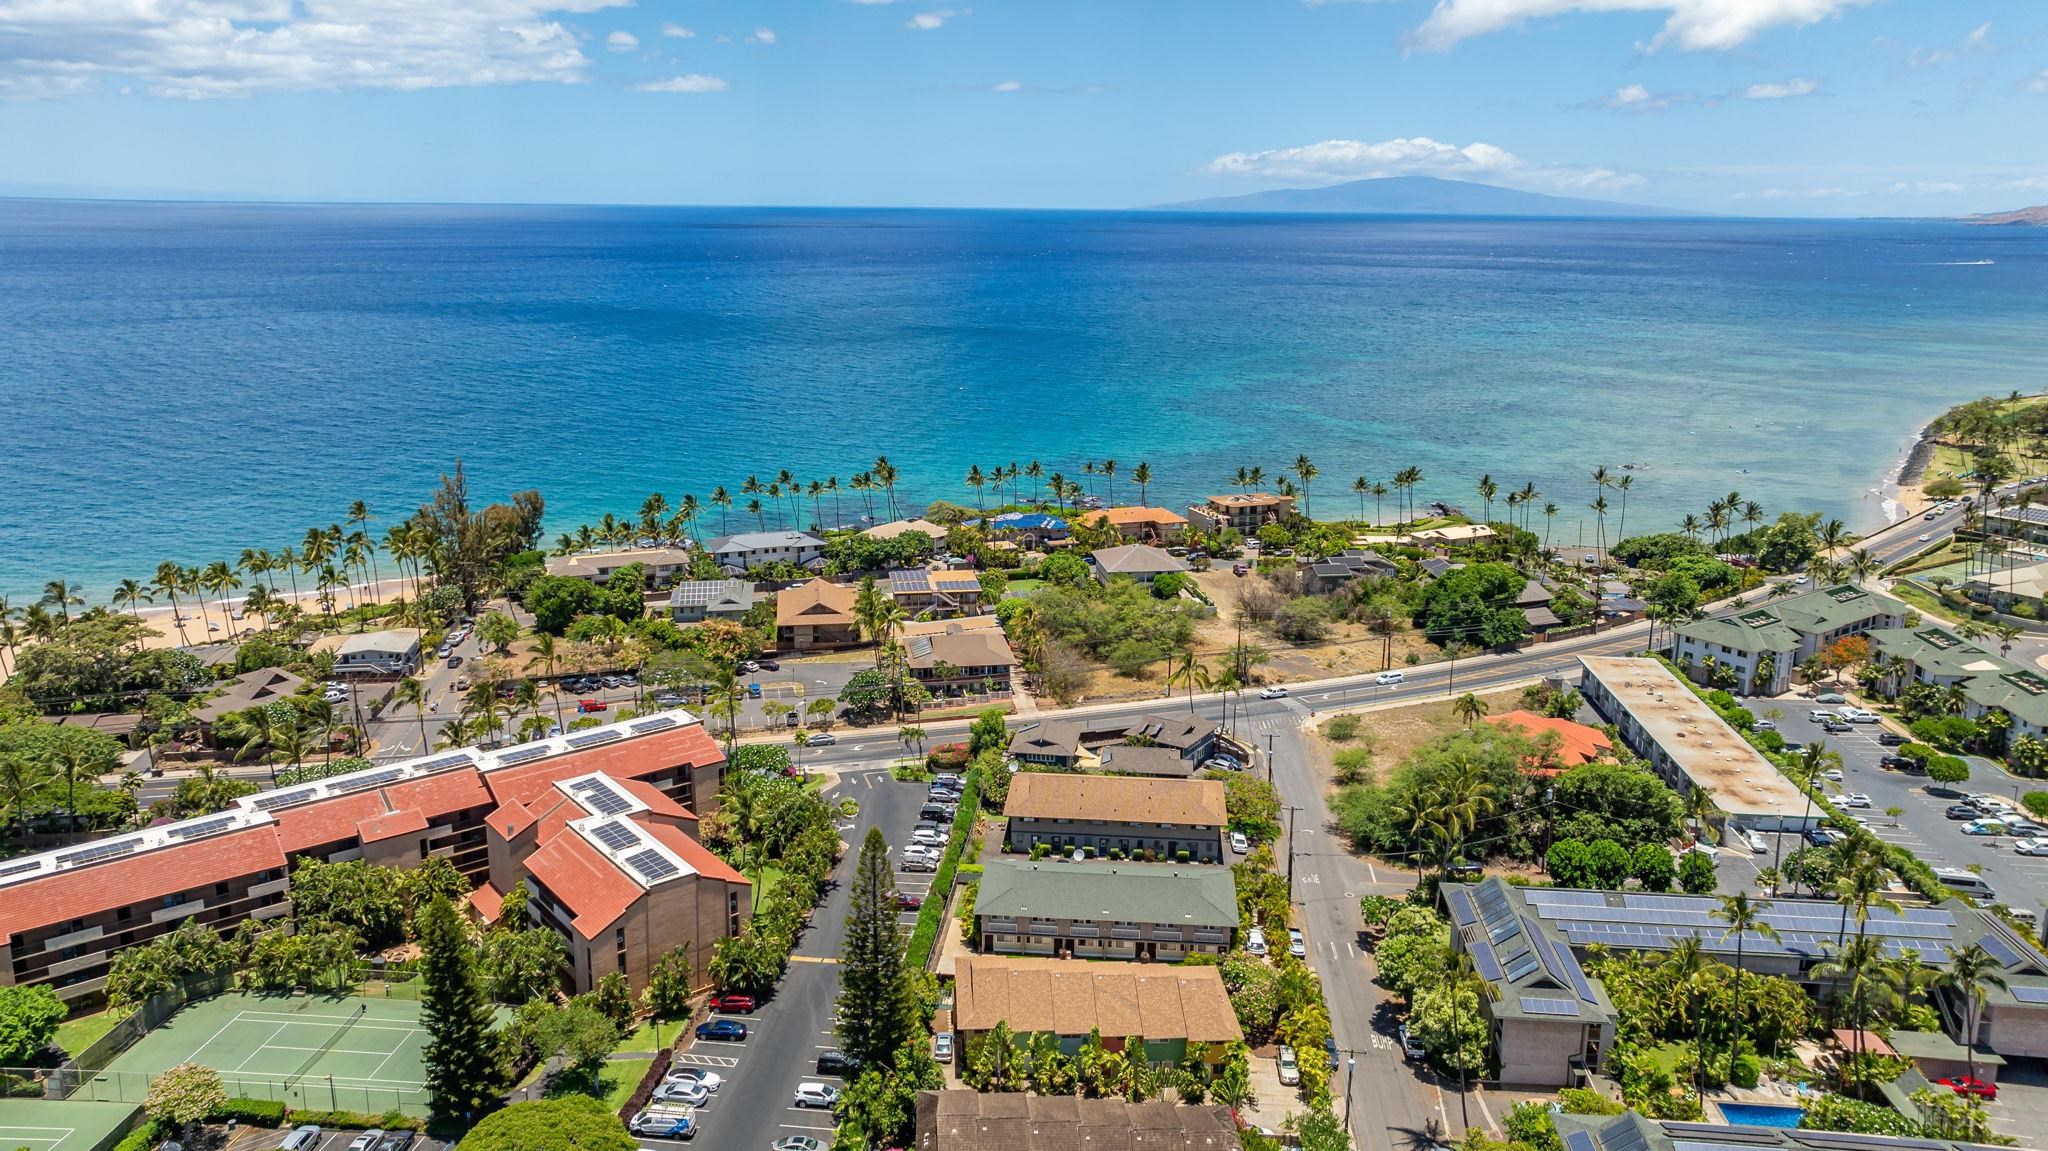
pixel 909 900
pixel 584 706
pixel 1964 1085
pixel 734 1004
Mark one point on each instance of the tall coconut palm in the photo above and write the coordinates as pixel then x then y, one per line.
pixel 1142 476
pixel 722 500
pixel 170 580
pixel 1744 917
pixel 1487 490
pixel 220 579
pixel 131 594
pixel 1306 471
pixel 1863 966
pixel 62 596
pixel 977 481
pixel 412 692
pixel 1622 485
pixel 1969 972
pixel 885 475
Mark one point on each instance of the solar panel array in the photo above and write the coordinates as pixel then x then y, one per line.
pixel 1724 1134
pixel 520 755
pixel 1509 946
pixel 615 835
pixel 598 796
pixel 357 783
pixel 1537 1005
pixel 654 724
pixel 1804 927
pixel 203 827
pixel 1580 1141
pixel 18 868
pixel 1844 1141
pixel 277 799
pixel 106 850
pixel 2004 952
pixel 444 762
pixel 585 739
pixel 2030 994
pixel 652 866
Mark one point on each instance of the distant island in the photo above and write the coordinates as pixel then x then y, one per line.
pixel 1418 196
pixel 2037 216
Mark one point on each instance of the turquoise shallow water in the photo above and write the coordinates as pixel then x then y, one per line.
pixel 182 381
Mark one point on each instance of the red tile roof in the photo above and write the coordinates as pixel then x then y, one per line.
pixel 138 878
pixel 657 800
pixel 594 890
pixel 311 825
pixel 693 853
pixel 443 793
pixel 627 759
pixel 1576 743
pixel 510 819
pixel 391 824
pixel 487 901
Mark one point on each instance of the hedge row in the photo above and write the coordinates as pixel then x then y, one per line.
pixel 357 1120
pixel 140 1139
pixel 648 1082
pixel 253 1112
pixel 933 913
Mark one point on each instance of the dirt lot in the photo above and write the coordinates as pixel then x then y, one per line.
pixel 1395 733
pixel 1351 648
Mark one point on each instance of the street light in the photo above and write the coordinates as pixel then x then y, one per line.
pixel 1350 1072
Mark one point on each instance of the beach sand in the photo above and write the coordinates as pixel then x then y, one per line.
pixel 159 619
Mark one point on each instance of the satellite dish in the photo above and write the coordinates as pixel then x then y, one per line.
pixel 1077 856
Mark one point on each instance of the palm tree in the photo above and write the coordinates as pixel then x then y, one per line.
pixel 1184 668
pixel 1142 476
pixel 722 500
pixel 1690 526
pixel 170 580
pixel 546 658
pixel 1688 964
pixel 1744 917
pixel 885 475
pixel 1623 485
pixel 1969 972
pixel 1549 517
pixel 1468 709
pixel 1599 507
pixel 1487 490
pixel 62 596
pixel 128 593
pixel 976 480
pixel 1109 479
pixel 1863 964
pixel 220 579
pixel 1306 471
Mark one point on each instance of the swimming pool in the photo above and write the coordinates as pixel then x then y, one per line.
pixel 1760 1114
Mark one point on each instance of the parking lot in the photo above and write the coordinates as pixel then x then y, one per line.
pixel 754 1105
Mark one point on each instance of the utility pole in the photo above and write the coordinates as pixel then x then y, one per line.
pixel 1350 1073
pixel 1291 809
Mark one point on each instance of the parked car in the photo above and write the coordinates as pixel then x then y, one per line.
pixel 723 1030
pixel 1819 716
pixel 733 1004
pixel 711 1080
pixel 1409 1045
pixel 662 1121
pixel 1897 763
pixel 1858 715
pixel 1836 727
pixel 816 1095
pixel 928 834
pixel 1464 873
pixel 1831 697
pixel 1892 738
pixel 1854 799
pixel 682 1091
pixel 1290 1068
pixel 454 661
pixel 1255 941
pixel 1388 678
pixel 1239 844
pixel 936 811
pixel 1832 775
pixel 367 1141
pixel 797 1143
pixel 1297 945
pixel 2030 846
pixel 754 691
pixel 1984 827
pixel 586 706
pixel 822 738
pixel 920 859
pixel 1763 725
pixel 1238 569
pixel 397 1140
pixel 942 1047
pixel 838 1063
pixel 1276 691
pixel 1965 1085
pixel 1758 845
pixel 1330 1050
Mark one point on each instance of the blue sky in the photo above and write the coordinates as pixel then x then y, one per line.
pixel 1771 107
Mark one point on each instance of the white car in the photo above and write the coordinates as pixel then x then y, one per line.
pixel 920 859
pixel 1411 1046
pixel 711 1080
pixel 1255 941
pixel 366 1140
pixel 1832 775
pixel 1290 1069
pixel 1238 843
pixel 2030 846
pixel 816 1095
pixel 1274 692
pixel 930 835
pixel 1764 725
pixel 1820 716
pixel 942 1047
pixel 1387 678
pixel 1858 715
pixel 1297 946
pixel 823 739
pixel 682 1091
pixel 1758 845
pixel 1855 799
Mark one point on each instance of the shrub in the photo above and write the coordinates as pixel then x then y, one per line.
pixel 1584 1101
pixel 253 1112
pixel 648 1083
pixel 1748 1069
pixel 2036 803
pixel 947 757
pixel 357 1120
pixel 1529 1123
pixel 140 1139
pixel 1342 728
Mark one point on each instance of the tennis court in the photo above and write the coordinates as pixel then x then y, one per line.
pixel 320 1052
pixel 49 1125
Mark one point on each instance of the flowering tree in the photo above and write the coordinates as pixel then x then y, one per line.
pixel 184 1095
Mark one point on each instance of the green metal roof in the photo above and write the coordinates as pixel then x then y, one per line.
pixel 1168 894
pixel 1777 625
pixel 1987 678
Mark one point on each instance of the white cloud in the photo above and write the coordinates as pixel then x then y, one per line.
pixel 1636 98
pixel 1334 160
pixel 622 41
pixel 1799 194
pixel 196 49
pixel 762 36
pixel 675 31
pixel 926 21
pixel 1691 24
pixel 1007 86
pixel 1785 91
pixel 690 83
pixel 2038 83
pixel 1926 188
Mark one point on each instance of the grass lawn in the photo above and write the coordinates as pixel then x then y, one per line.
pixel 642 1038
pixel 1023 587
pixel 1928 605
pixel 616 1082
pixel 75 1035
pixel 764 884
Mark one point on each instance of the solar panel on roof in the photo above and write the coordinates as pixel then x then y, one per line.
pixel 599 797
pixel 653 724
pixel 1485 961
pixel 652 865
pixel 615 835
pixel 106 850
pixel 1460 903
pixel 524 754
pixel 18 868
pixel 2002 951
pixel 444 762
pixel 353 784
pixel 204 827
pixel 1844 1139
pixel 277 799
pixel 1580 1141
pixel 2030 994
pixel 1536 1005
pixel 585 739
pixel 1520 965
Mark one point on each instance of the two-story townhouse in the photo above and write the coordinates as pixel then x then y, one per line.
pixel 1763 644
pixel 1131 815
pixel 1143 911
pixel 658 564
pixel 743 550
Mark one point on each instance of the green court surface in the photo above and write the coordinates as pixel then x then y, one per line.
pixel 318 1052
pixel 49 1125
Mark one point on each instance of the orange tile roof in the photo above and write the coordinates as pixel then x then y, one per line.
pixel 1576 743
pixel 594 890
pixel 311 825
pixel 488 902
pixel 390 824
pixel 511 818
pixel 818 602
pixel 139 878
pixel 657 800
pixel 1067 997
pixel 693 853
pixel 443 793
pixel 624 760
pixel 1139 515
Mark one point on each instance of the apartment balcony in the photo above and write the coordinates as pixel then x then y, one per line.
pixel 67 966
pixel 269 887
pixel 1211 936
pixel 1167 934
pixel 181 911
pixel 271 912
pixel 1085 931
pixel 1044 927
pixel 69 939
pixel 81 990
pixel 1127 932
pixel 991 923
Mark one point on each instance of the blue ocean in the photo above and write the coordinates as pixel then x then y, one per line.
pixel 181 381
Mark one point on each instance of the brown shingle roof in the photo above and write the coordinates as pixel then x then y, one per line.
pixel 973 1121
pixel 1066 997
pixel 818 602
pixel 1116 798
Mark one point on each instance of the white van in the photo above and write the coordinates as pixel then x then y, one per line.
pixel 1387 678
pixel 1965 882
pixel 301 1139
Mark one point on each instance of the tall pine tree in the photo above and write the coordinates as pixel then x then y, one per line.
pixel 875 1016
pixel 463 1068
